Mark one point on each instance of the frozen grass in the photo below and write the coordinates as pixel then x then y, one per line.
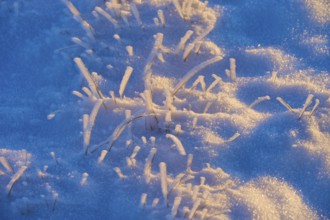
pixel 186 141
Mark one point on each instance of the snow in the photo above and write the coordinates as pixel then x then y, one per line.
pixel 172 109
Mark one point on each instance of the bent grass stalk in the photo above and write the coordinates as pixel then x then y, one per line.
pixel 194 71
pixel 177 143
pixel 259 100
pixel 15 178
pixel 118 131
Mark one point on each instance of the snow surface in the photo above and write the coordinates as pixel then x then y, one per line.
pixel 165 109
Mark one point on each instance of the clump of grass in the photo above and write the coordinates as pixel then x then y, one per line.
pixel 91 82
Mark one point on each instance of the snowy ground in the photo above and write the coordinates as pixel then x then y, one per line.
pixel 225 115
